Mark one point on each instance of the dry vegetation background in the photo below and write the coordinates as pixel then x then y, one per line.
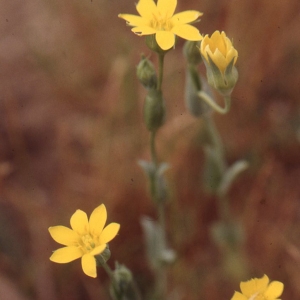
pixel 71 133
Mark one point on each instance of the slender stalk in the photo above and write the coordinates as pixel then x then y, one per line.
pixel 160 273
pixel 222 110
pixel 162 217
pixel 160 70
pixel 152 148
pixel 108 270
pixel 216 143
pixel 215 140
pixel 101 262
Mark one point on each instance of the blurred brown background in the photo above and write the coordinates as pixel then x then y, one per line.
pixel 71 132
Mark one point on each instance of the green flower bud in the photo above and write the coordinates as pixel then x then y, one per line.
pixel 154 110
pixel 191 52
pixel 146 73
pixel 122 286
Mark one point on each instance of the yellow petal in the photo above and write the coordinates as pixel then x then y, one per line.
pixel 255 285
pixel 88 263
pixel 204 47
pixel 207 53
pixel 133 20
pixel 166 7
pixel 64 235
pixel 221 45
pixel 274 290
pixel 79 222
pixel 205 41
pixel 227 41
pixel 98 220
pixel 220 61
pixel 147 8
pixel 186 17
pixel 232 53
pixel 66 254
pixel 98 250
pixel 109 232
pixel 238 296
pixel 143 30
pixel 216 37
pixel 187 32
pixel 165 39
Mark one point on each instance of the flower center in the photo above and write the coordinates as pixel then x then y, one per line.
pixel 87 243
pixel 160 22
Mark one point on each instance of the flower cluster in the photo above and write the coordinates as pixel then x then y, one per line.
pixel 86 239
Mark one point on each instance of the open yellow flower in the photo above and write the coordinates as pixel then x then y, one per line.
pixel 86 239
pixel 159 19
pixel 259 289
pixel 219 49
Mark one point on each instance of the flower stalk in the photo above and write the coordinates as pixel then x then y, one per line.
pixel 221 110
pixel 160 271
pixel 159 255
pixel 226 233
pixel 161 57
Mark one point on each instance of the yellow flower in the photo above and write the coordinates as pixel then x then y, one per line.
pixel 219 57
pixel 259 289
pixel 219 49
pixel 86 239
pixel 159 19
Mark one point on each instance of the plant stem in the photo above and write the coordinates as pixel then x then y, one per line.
pixel 222 110
pixel 160 272
pixel 152 148
pixel 217 145
pixel 160 70
pixel 107 268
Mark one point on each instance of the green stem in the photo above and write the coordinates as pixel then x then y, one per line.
pixel 216 143
pixel 160 272
pixel 222 110
pixel 107 269
pixel 161 57
pixel 152 148
pixel 195 76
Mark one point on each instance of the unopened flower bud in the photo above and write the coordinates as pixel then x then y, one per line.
pixel 146 73
pixel 219 57
pixel 122 285
pixel 191 52
pixel 154 110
